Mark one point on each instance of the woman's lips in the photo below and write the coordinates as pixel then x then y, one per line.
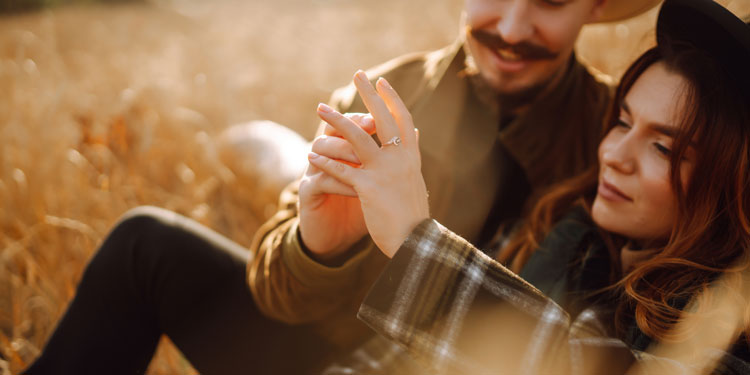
pixel 611 193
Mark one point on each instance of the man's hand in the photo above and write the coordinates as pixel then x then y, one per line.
pixel 330 213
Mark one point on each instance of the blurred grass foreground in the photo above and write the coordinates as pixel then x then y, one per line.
pixel 106 106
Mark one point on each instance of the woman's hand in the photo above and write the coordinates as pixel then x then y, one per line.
pixel 389 181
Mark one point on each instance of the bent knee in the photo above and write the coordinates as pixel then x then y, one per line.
pixel 143 219
pixel 146 211
pixel 139 232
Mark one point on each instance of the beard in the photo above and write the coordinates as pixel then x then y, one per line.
pixel 510 99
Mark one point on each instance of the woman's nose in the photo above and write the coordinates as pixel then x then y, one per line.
pixel 514 25
pixel 618 154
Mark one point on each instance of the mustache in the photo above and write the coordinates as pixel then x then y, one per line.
pixel 526 50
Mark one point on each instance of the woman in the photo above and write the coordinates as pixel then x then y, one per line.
pixel 621 259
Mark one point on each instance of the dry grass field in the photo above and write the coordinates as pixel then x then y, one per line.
pixel 104 108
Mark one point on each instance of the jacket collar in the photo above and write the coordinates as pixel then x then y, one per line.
pixel 467 100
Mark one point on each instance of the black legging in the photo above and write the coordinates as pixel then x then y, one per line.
pixel 160 273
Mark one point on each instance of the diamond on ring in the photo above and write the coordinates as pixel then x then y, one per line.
pixel 395 141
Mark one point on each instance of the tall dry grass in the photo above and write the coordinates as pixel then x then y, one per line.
pixel 107 108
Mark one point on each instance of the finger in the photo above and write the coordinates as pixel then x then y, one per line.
pixel 335 148
pixel 398 109
pixel 311 170
pixel 340 171
pixel 363 145
pixel 325 184
pixel 385 124
pixel 364 120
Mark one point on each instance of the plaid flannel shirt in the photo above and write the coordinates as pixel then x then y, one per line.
pixel 444 307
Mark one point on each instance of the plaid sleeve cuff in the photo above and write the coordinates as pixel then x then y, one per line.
pixel 319 276
pixel 458 310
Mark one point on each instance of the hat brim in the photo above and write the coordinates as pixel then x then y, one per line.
pixel 710 27
pixel 618 10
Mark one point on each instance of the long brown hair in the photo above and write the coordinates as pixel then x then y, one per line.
pixel 711 235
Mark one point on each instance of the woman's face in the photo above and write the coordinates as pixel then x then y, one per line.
pixel 635 197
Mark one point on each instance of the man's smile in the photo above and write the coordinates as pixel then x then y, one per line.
pixel 525 51
pixel 508 54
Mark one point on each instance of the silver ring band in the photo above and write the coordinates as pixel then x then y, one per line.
pixel 395 141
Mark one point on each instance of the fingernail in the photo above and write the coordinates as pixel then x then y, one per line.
pixel 324 108
pixel 360 75
pixel 385 83
pixel 312 155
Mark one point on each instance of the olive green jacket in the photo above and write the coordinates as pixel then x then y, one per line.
pixel 472 167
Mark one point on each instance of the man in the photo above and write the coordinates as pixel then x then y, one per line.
pixel 502 113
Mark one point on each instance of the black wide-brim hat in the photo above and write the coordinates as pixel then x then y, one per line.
pixel 709 26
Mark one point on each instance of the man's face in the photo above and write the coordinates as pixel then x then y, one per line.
pixel 519 45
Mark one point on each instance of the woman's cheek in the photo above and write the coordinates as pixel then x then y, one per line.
pixel 660 203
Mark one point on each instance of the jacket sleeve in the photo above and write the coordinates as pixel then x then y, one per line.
pixel 458 311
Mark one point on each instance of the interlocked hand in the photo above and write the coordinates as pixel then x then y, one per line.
pixel 388 181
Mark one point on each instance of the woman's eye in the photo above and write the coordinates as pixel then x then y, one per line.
pixel 622 123
pixel 555 3
pixel 663 149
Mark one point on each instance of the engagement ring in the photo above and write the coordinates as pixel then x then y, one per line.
pixel 395 141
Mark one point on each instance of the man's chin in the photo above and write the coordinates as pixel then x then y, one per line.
pixel 520 88
pixel 512 91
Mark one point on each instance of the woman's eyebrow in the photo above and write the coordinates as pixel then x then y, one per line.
pixel 668 130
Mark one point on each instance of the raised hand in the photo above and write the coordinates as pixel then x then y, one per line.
pixel 330 215
pixel 389 181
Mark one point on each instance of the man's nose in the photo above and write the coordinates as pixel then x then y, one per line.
pixel 515 25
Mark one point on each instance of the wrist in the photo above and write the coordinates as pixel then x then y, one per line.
pixel 399 240
pixel 331 257
pixel 317 277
